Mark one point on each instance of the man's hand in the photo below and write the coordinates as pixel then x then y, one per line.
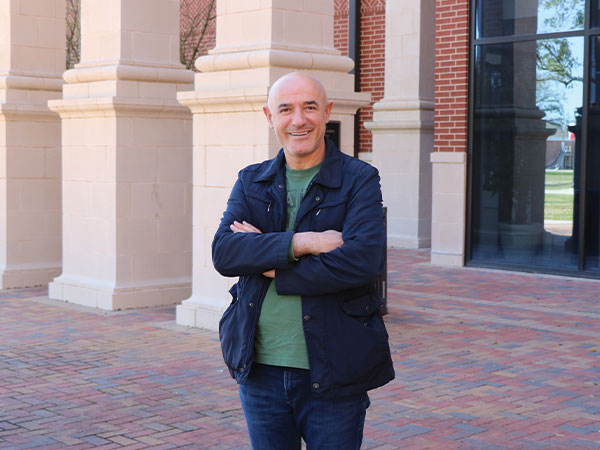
pixel 315 243
pixel 246 227
pixel 243 227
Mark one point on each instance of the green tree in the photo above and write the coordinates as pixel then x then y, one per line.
pixel 565 14
pixel 558 69
pixel 555 62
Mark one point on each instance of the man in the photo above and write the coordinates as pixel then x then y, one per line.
pixel 304 231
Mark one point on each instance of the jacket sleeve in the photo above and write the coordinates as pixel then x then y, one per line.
pixel 357 262
pixel 236 254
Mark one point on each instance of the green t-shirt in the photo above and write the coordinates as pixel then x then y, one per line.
pixel 279 339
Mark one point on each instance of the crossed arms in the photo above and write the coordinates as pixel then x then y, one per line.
pixel 304 243
pixel 328 261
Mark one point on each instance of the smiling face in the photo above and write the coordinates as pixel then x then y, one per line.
pixel 298 111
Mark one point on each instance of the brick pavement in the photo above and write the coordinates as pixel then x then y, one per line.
pixel 485 360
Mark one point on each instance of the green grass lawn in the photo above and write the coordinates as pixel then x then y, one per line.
pixel 558 206
pixel 559 179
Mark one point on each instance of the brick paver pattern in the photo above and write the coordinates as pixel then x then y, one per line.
pixel 484 359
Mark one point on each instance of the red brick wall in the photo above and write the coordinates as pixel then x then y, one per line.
pixel 372 63
pixel 372 56
pixel 340 26
pixel 195 14
pixel 451 75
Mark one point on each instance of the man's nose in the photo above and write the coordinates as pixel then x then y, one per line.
pixel 298 117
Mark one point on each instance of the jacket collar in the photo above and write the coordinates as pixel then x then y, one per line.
pixel 330 174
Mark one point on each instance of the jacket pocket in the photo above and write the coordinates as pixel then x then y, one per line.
pixel 358 341
pixel 234 293
pixel 232 330
pixel 363 307
pixel 227 334
pixel 236 324
pixel 261 208
pixel 329 215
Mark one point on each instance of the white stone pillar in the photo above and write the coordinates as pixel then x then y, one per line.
pixel 126 160
pixel 448 218
pixel 402 123
pixel 32 60
pixel 256 43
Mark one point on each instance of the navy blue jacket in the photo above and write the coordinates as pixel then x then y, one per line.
pixel 345 335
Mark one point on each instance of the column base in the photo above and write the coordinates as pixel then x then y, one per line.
pixel 25 278
pixel 405 241
pixel 119 298
pixel 200 313
pixel 447 259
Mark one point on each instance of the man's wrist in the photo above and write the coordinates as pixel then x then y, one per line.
pixel 301 244
pixel 291 256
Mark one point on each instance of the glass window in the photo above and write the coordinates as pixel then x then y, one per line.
pixel 595 13
pixel 517 17
pixel 592 220
pixel 526 129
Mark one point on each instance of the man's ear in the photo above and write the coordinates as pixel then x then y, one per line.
pixel 268 115
pixel 328 110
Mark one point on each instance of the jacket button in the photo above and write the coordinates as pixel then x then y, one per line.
pixel 317 198
pixel 316 385
pixel 306 318
pixel 280 186
pixel 367 308
pixel 250 304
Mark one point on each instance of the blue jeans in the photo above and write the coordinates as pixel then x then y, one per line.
pixel 280 408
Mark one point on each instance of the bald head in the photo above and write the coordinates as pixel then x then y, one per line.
pixel 296 80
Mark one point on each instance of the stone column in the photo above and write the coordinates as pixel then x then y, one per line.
pixel 448 218
pixel 402 123
pixel 256 43
pixel 126 160
pixel 32 60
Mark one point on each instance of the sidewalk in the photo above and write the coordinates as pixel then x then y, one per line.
pixel 484 359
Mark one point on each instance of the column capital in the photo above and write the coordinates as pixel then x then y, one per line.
pixel 399 104
pixel 106 107
pixel 253 99
pixel 269 57
pixel 35 83
pixel 402 116
pixel 119 71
